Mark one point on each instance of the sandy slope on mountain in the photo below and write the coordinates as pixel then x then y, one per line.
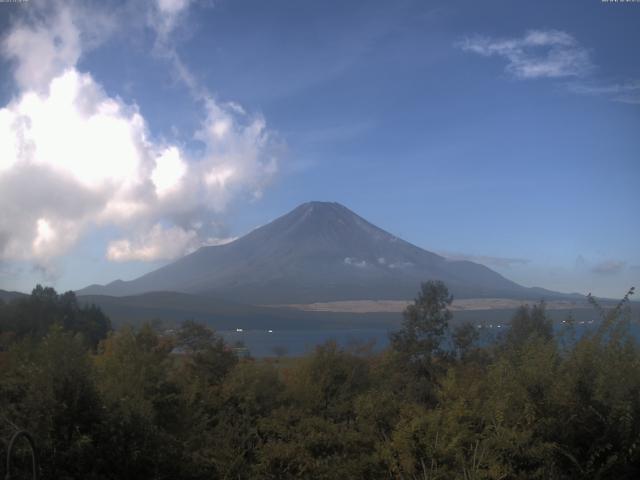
pixel 390 306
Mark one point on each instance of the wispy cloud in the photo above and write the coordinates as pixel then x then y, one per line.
pixel 624 92
pixel 553 54
pixel 538 54
pixel 164 15
pixel 334 133
pixel 503 262
pixel 609 267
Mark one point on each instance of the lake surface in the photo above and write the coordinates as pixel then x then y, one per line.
pixel 262 343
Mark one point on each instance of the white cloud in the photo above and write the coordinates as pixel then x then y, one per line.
pixel 238 146
pixel 159 243
pixel 53 41
pixel 172 7
pixel 76 129
pixel 214 241
pixel 395 265
pixel 552 54
pixel 355 262
pixel 164 17
pixel 538 54
pixel 624 92
pixel 43 51
pixel 73 158
pixel 165 14
pixel 45 235
pixel 168 172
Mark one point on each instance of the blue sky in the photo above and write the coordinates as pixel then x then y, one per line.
pixel 502 132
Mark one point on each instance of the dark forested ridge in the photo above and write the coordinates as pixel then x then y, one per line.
pixel 7 296
pixel 173 307
pixel 149 403
pixel 33 316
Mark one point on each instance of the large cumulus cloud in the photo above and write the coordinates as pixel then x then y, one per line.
pixel 73 158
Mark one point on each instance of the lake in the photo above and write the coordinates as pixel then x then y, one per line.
pixel 262 343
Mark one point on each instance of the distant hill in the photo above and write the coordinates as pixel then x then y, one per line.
pixel 172 308
pixel 318 252
pixel 6 296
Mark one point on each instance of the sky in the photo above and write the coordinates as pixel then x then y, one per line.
pixel 507 133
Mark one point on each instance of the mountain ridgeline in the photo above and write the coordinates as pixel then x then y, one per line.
pixel 318 252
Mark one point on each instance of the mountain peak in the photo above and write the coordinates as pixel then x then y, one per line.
pixel 319 251
pixel 324 222
pixel 320 204
pixel 321 208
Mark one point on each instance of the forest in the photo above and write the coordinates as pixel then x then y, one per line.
pixel 148 402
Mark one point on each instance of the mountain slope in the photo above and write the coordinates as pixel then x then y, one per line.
pixel 317 252
pixel 6 296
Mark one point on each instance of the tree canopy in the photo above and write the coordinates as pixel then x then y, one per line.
pixel 151 403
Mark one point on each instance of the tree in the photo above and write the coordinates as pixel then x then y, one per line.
pixel 205 353
pixel 181 405
pixel 34 315
pixel 143 408
pixel 417 345
pixel 529 322
pixel 464 336
pixel 326 382
pixel 48 389
pixel 425 322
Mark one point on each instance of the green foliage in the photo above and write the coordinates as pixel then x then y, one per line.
pixel 425 322
pixel 417 347
pixel 464 338
pixel 204 353
pixel 326 382
pixel 529 322
pixel 34 315
pixel 48 389
pixel 180 404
